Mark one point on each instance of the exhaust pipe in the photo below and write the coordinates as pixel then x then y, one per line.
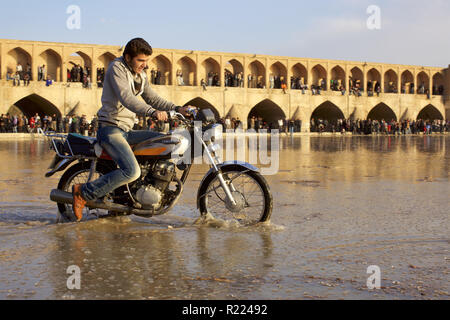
pixel 61 196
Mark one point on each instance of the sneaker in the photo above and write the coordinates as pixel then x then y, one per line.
pixel 78 201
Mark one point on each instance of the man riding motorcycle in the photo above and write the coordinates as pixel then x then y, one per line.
pixel 125 81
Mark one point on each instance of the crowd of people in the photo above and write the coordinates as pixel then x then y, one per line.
pixel 21 74
pixel 369 126
pixel 255 81
pixel 235 80
pixel 81 74
pixel 23 124
pixel 81 124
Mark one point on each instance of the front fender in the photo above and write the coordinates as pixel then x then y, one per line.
pixel 235 164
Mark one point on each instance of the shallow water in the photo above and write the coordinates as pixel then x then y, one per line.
pixel 341 204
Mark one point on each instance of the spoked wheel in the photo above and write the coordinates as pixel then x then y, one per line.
pixel 79 173
pixel 250 192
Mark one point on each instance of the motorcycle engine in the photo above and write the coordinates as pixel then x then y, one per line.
pixel 155 183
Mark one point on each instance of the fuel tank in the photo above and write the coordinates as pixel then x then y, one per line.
pixel 158 147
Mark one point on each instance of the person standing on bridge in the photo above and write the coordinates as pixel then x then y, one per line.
pixel 125 80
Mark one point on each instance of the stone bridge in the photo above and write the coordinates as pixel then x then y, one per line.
pixel 400 97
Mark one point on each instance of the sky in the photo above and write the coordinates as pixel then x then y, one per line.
pixel 411 32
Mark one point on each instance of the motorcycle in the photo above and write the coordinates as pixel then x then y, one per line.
pixel 229 190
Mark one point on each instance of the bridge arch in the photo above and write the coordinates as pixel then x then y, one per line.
pixel 327 111
pixel 211 69
pixel 338 78
pixel 53 64
pixel 162 64
pixel 299 71
pixel 186 66
pixel 431 113
pixel 79 57
pixel 82 59
pixel 423 81
pixel 234 66
pixel 203 104
pixel 374 77
pixel 390 81
pixel 279 72
pixel 319 74
pixel 438 83
pixel 258 72
pixel 268 111
pixel 357 78
pixel 407 82
pixel 382 112
pixel 15 56
pixel 32 104
pixel 105 59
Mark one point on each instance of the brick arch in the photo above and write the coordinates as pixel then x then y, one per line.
pixel 390 81
pixel 407 80
pixel 210 66
pixel 374 75
pixel 257 69
pixel 318 73
pixel 162 64
pixel 279 73
pixel 430 112
pixel 269 111
pixel 338 76
pixel 53 63
pixel 236 66
pixel 327 111
pixel 300 71
pixel 188 69
pixel 382 111
pixel 356 76
pixel 31 104
pixel 15 56
pixel 105 59
pixel 86 58
pixel 438 81
pixel 423 79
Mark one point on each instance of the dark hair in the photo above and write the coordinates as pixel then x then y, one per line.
pixel 137 46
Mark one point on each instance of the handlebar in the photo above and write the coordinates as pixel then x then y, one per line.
pixel 172 114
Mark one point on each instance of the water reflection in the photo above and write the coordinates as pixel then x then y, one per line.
pixel 122 259
pixel 339 203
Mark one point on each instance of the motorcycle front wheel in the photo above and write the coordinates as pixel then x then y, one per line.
pixel 249 189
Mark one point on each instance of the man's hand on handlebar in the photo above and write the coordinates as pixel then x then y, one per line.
pixel 186 111
pixel 160 115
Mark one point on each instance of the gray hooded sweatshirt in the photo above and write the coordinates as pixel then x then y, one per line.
pixel 120 97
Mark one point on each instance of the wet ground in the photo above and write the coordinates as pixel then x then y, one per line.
pixel 341 204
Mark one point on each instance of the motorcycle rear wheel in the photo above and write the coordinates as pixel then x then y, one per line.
pixel 252 191
pixel 76 174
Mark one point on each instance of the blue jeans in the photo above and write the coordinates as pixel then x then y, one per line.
pixel 116 143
